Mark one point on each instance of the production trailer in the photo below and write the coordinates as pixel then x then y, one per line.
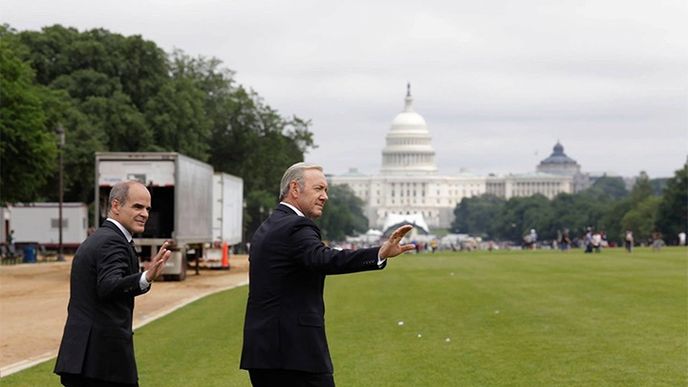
pixel 181 196
pixel 40 223
pixel 228 199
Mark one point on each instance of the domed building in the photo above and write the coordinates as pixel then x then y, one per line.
pixel 410 188
pixel 408 185
pixel 408 149
pixel 558 163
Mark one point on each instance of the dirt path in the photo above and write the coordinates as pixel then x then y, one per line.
pixel 33 305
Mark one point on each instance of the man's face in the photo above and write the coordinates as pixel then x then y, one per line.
pixel 311 199
pixel 133 214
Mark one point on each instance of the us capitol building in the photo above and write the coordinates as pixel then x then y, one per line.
pixel 409 188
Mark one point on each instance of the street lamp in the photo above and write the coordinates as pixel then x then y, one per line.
pixel 60 145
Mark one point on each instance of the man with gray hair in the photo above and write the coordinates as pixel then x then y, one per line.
pixel 97 347
pixel 284 329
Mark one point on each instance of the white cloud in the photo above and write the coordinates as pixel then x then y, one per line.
pixel 496 80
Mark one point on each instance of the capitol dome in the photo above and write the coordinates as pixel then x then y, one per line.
pixel 409 119
pixel 408 148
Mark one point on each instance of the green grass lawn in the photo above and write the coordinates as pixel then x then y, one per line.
pixel 518 318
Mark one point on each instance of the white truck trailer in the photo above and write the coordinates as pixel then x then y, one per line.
pixel 40 223
pixel 181 193
pixel 228 199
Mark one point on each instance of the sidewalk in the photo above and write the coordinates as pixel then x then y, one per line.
pixel 33 305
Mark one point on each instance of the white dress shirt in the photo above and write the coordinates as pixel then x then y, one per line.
pixel 143 282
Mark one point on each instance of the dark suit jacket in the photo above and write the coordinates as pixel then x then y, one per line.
pixel 97 341
pixel 285 314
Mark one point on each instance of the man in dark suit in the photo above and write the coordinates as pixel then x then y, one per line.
pixel 97 346
pixel 284 330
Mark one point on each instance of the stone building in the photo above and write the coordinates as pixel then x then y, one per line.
pixel 410 187
pixel 558 163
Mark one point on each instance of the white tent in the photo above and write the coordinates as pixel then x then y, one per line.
pixel 394 220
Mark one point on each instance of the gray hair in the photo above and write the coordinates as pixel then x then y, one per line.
pixel 295 173
pixel 120 192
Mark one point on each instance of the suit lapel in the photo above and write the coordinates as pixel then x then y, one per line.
pixel 133 257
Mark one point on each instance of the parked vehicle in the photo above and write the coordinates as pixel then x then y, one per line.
pixel 181 193
pixel 39 223
pixel 227 219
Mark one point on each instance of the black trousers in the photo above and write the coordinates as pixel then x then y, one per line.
pixel 71 380
pixel 289 378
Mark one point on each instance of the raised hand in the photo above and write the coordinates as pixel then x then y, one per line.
pixel 158 263
pixel 392 248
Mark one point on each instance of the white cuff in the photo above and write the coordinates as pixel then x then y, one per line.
pixel 381 261
pixel 143 282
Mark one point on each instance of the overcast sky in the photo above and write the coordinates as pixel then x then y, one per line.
pixel 498 82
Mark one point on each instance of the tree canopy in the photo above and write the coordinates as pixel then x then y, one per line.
pixel 672 213
pixel 607 206
pixel 27 149
pixel 123 93
pixel 343 215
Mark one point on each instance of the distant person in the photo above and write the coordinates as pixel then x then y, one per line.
pixel 596 241
pixel 565 240
pixel 97 347
pixel 284 330
pixel 657 241
pixel 530 240
pixel 682 238
pixel 628 241
pixel 11 248
pixel 587 240
pixel 605 241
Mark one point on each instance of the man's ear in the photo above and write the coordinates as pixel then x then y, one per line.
pixel 114 206
pixel 294 187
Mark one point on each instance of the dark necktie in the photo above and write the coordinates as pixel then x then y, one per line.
pixel 137 264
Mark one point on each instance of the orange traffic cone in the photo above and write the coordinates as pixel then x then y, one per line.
pixel 225 256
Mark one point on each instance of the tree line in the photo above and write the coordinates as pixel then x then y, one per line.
pixel 652 206
pixel 123 93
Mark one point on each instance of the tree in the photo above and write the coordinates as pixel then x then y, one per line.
pixel 612 219
pixel 672 214
pixel 570 212
pixel 613 187
pixel 82 139
pixel 658 185
pixel 177 117
pixel 123 93
pixel 124 126
pixel 343 214
pixel 642 189
pixel 27 146
pixel 259 205
pixel 522 214
pixel 94 89
pixel 476 215
pixel 139 66
pixel 641 218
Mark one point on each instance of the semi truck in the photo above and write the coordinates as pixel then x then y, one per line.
pixel 181 197
pixel 227 217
